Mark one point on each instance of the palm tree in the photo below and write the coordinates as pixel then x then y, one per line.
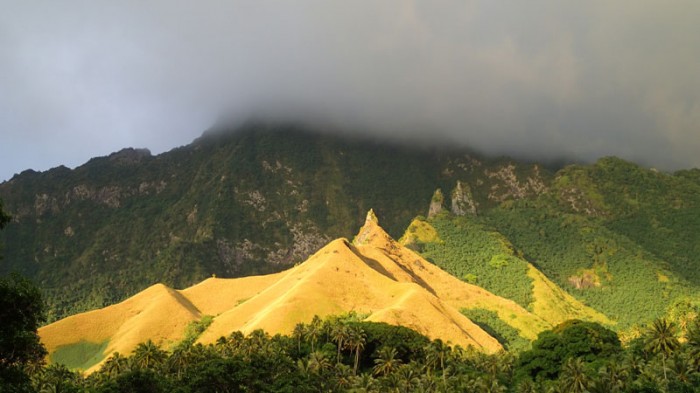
pixel 572 378
pixel 437 353
pixel 148 354
pixel 115 365
pixel 527 386
pixel 633 365
pixel 693 337
pixel 178 362
pixel 259 338
pixel 363 383
pixel 313 331
pixel 298 334
pixel 662 340
pixel 490 384
pixel 356 342
pixel 681 368
pixel 386 362
pixel 409 377
pixel 232 344
pixel 391 383
pixel 339 333
pixel 54 378
pixel 198 353
pixel 611 378
pixel 318 362
pixel 343 376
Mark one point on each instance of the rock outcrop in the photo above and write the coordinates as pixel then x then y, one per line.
pixel 437 203
pixel 462 200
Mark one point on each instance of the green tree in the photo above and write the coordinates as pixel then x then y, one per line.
pixel 149 355
pixel 612 378
pixel 589 341
pixel 4 219
pixel 662 340
pixel 115 365
pixel 339 334
pixel 356 342
pixel 21 313
pixel 56 378
pixel 437 354
pixel 298 334
pixel 318 362
pixel 573 379
pixel 313 331
pixel 693 343
pixel 386 362
pixel 527 386
pixel 137 381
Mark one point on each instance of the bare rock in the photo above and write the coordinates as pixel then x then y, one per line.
pixel 437 203
pixel 462 200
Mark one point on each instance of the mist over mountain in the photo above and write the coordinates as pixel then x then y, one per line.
pixel 534 166
pixel 540 79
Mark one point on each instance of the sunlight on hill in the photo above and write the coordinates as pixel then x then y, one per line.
pixel 157 313
pixel 376 276
pixel 555 306
pixel 419 231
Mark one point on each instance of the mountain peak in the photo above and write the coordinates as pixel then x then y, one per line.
pixel 370 230
pixel 371 217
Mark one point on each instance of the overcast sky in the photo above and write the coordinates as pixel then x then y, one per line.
pixel 548 79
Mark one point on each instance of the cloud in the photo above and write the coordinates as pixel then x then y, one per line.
pixel 540 79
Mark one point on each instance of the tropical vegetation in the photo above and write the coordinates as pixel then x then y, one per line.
pixel 343 354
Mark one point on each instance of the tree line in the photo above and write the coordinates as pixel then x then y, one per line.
pixel 345 354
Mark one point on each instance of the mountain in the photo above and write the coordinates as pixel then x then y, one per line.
pixel 253 200
pixel 611 241
pixel 374 276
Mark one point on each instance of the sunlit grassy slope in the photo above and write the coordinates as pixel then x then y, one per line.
pixel 374 276
pixel 157 313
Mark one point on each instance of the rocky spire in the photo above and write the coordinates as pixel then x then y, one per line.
pixel 369 230
pixel 371 217
pixel 462 200
pixel 436 203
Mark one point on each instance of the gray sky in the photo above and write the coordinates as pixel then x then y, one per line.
pixel 544 78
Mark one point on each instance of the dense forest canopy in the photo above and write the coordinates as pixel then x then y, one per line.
pixel 343 354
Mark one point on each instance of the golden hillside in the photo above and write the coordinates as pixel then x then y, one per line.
pixel 157 313
pixel 373 276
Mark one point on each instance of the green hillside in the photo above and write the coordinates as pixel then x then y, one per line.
pixel 253 200
pixel 468 250
pixel 620 238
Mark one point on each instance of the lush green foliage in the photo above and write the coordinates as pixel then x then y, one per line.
pixel 493 325
pixel 601 267
pixel 470 251
pixel 21 312
pixel 575 356
pixel 4 218
pixel 194 330
pixel 590 342
pixel 252 201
